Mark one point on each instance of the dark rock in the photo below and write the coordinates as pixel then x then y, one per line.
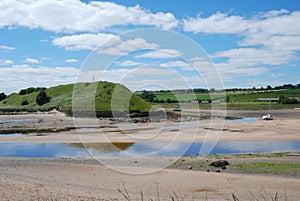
pixel 220 163
pixel 218 171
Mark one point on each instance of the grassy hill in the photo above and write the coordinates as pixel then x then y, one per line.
pixel 97 96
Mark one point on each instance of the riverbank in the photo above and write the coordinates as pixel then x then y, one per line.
pixel 81 179
pixel 55 127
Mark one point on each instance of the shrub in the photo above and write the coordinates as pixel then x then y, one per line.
pixel 2 96
pixel 24 102
pixel 31 90
pixel 42 98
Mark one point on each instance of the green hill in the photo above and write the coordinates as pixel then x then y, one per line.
pixel 97 96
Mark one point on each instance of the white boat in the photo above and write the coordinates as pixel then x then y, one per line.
pixel 267 117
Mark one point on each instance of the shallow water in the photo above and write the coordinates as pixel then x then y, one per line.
pixel 104 150
pixel 142 149
pixel 19 121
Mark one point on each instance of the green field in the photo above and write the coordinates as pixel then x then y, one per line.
pixel 233 100
pixel 189 97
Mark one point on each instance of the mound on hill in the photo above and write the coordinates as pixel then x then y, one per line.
pixel 97 96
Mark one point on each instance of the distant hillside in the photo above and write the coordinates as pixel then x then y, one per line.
pixel 84 96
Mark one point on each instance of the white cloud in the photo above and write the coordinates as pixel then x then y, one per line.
pixel 22 76
pixel 44 41
pixel 229 72
pixel 117 46
pixel 275 32
pixel 180 64
pixel 71 61
pixel 7 48
pixel 83 41
pixel 218 23
pixel 31 61
pixel 45 58
pixel 6 62
pixel 161 54
pixel 272 13
pixel 242 57
pixel 129 63
pixel 277 42
pixel 78 16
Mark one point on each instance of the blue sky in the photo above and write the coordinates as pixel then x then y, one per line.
pixel 51 42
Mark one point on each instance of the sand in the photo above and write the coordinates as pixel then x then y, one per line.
pixel 33 179
pixel 53 179
pixel 76 130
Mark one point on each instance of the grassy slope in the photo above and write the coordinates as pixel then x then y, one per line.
pixel 86 96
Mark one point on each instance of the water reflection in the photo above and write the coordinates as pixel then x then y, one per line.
pixel 104 147
pixel 104 150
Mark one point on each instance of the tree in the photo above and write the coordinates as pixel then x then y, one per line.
pixel 269 87
pixel 148 96
pixel 42 98
pixel 2 96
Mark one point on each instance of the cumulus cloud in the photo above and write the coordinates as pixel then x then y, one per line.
pixel 129 63
pixel 6 62
pixel 7 48
pixel 31 61
pixel 274 32
pixel 78 16
pixel 218 23
pixel 117 46
pixel 71 61
pixel 18 77
pixel 179 64
pixel 221 23
pixel 161 54
pixel 279 26
pixel 83 41
pixel 254 57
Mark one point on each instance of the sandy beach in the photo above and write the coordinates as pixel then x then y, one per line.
pixel 63 179
pixel 44 179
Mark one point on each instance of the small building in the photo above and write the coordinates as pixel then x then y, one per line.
pixel 268 99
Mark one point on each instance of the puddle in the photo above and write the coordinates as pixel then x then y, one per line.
pixel 12 134
pixel 154 149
